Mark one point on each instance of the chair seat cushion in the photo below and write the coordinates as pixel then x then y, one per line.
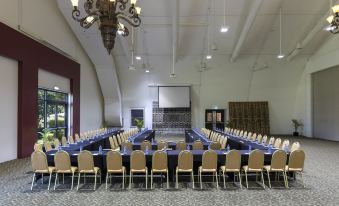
pixel 206 170
pixel 184 170
pixel 141 170
pixel 95 170
pixel 247 169
pixel 49 170
pixel 223 168
pixel 123 169
pixel 72 170
pixel 293 169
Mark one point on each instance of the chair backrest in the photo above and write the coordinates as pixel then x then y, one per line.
pixel 63 141
pixel 245 135
pixel 271 142
pixel 62 161
pixel 264 139
pixel 256 159
pixel 296 159
pixel 111 143
pixel 85 160
pixel 241 133
pixel 48 146
pixel 295 146
pixel 128 146
pixel 233 160
pixel 286 143
pixel 114 160
pixel 279 159
pixel 144 144
pixel 119 139
pixel 159 160
pixel 115 141
pixel 37 147
pixel 259 138
pixel 138 160
pixel 249 136
pixel 56 143
pixel 71 140
pixel 77 137
pixel 39 161
pixel 277 143
pixel 162 144
pixel 209 160
pixel 197 145
pixel 181 145
pixel 254 137
pixel 185 160
pixel 215 146
pixel 224 143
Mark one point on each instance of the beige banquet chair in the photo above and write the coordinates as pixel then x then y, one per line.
pixel 295 146
pixel 71 140
pixel 232 164
pixel 40 166
pixel 114 166
pixel 63 166
pixel 115 141
pixel 271 141
pixel 86 166
pixel 159 165
pixel 209 165
pixel 278 163
pixel 63 141
pixel 215 146
pixel 255 164
pixel 286 143
pixel 162 144
pixel 259 138
pixel 197 145
pixel 181 145
pixel 296 164
pixel 277 143
pixel 77 137
pixel 37 147
pixel 264 140
pixel 185 165
pixel 145 144
pixel 56 143
pixel 224 143
pixel 48 146
pixel 128 146
pixel 138 165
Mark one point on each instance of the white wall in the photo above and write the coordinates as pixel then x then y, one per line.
pixel 221 83
pixel 48 80
pixel 8 109
pixel 43 20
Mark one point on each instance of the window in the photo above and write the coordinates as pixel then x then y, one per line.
pixel 136 113
pixel 52 113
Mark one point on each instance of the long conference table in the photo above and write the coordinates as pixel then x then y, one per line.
pixel 172 154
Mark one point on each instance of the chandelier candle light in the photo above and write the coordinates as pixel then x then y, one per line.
pixel 108 13
pixel 334 20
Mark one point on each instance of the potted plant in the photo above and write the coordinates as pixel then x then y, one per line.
pixel 296 125
pixel 46 135
pixel 139 123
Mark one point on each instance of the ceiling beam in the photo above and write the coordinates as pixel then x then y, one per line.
pixel 308 38
pixel 245 30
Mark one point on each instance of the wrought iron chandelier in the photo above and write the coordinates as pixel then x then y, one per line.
pixel 108 13
pixel 334 20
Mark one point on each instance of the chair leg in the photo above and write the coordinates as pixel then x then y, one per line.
pixel 240 181
pixel 130 180
pixel 246 179
pixel 79 175
pixel 176 180
pixel 63 178
pixel 262 178
pixel 151 179
pixel 200 179
pixel 72 181
pixel 223 175
pixel 286 180
pixel 95 181
pixel 269 179
pixel 42 178
pixel 146 178
pixel 100 176
pixel 192 179
pixel 84 178
pixel 167 180
pixel 123 179
pixel 106 180
pixel 56 179
pixel 33 181
pixel 49 181
pixel 216 178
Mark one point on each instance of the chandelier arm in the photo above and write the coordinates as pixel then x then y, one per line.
pixel 125 33
pixel 88 6
pixel 76 15
pixel 122 5
pixel 86 24
pixel 136 21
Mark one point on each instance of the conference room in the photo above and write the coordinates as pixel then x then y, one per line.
pixel 169 102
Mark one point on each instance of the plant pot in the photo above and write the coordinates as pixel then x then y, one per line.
pixel 295 134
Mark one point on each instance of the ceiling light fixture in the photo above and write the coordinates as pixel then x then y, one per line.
pixel 147 70
pixel 108 13
pixel 208 56
pixel 138 57
pixel 56 88
pixel 280 55
pixel 224 28
pixel 333 19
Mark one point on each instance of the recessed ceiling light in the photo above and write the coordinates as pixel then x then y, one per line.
pixel 56 88
pixel 147 70
pixel 208 56
pixel 138 57
pixel 280 56
pixel 224 29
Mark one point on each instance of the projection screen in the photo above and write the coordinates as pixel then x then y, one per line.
pixel 174 96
